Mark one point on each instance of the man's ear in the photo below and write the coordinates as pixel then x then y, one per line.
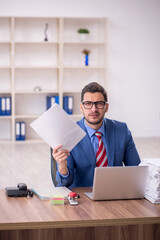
pixel 107 106
pixel 81 107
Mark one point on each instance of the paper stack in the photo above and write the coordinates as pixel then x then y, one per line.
pixel 153 181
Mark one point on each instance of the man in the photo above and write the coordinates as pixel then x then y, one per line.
pixel 107 142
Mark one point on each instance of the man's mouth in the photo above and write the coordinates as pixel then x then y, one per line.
pixel 94 114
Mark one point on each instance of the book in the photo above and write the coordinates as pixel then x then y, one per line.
pixel 56 127
pixel 46 193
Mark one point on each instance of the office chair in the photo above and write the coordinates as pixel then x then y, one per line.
pixel 53 168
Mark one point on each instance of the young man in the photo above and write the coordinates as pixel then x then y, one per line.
pixel 107 142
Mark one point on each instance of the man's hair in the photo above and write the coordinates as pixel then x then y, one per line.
pixel 92 88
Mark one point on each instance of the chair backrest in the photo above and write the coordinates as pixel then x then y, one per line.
pixel 53 168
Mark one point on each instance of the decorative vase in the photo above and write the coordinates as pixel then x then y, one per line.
pixel 86 59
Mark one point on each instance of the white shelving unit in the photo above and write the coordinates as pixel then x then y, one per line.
pixel 57 66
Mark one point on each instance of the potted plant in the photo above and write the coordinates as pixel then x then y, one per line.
pixel 83 32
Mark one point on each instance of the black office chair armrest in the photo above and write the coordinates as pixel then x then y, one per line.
pixel 53 168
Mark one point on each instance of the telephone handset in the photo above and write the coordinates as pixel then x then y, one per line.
pixel 19 191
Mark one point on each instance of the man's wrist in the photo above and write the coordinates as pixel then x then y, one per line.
pixel 63 170
pixel 62 176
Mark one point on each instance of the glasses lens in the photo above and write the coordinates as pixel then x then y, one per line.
pixel 87 105
pixel 100 104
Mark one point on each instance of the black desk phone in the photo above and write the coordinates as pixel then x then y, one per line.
pixel 19 191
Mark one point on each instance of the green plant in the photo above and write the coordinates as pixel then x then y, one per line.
pixel 83 30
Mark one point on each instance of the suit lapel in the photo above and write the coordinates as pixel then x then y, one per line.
pixel 86 145
pixel 110 141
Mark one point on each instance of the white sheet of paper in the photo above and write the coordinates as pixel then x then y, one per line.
pixel 55 127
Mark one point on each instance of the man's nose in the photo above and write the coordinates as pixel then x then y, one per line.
pixel 93 107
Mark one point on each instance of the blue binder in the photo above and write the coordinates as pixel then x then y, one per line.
pixel 23 131
pixel 5 106
pixel 68 104
pixel 20 131
pixel 51 100
pixel 8 106
pixel 2 106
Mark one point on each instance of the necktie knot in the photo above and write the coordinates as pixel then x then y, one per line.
pixel 98 135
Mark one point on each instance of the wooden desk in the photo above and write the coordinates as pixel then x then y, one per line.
pixel 31 218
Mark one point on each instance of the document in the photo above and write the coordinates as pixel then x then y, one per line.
pixel 47 193
pixel 55 127
pixel 153 181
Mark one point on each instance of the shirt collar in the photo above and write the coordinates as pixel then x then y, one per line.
pixel 91 131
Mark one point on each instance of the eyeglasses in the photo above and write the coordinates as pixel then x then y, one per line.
pixel 98 104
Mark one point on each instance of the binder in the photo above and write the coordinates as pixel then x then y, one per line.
pixel 8 106
pixel 20 131
pixel 23 131
pixel 51 100
pixel 68 104
pixel 17 130
pixel 65 103
pixel 2 106
pixel 5 106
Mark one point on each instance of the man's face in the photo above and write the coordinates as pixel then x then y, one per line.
pixel 94 116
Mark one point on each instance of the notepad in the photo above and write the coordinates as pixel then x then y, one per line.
pixel 47 193
pixel 56 127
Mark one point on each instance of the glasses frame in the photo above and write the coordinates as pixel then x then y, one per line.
pixel 94 103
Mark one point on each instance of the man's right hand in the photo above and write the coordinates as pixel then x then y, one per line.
pixel 61 155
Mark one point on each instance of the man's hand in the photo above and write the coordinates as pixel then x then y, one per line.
pixel 61 155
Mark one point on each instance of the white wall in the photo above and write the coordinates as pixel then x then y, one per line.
pixel 134 52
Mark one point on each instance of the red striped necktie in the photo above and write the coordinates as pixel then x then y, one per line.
pixel 101 155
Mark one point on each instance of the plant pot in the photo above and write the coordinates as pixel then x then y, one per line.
pixel 83 36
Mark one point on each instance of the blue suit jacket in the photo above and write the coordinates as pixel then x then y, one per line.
pixel 82 161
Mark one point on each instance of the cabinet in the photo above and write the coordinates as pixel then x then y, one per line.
pixel 32 69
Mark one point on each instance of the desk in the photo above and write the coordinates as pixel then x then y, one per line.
pixel 32 218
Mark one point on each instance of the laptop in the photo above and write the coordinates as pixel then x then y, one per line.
pixel 113 183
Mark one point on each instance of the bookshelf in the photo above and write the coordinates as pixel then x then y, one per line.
pixel 32 69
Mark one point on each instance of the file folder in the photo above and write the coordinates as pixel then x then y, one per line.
pixel 17 130
pixel 23 131
pixel 8 106
pixel 2 106
pixel 20 131
pixel 5 106
pixel 52 100
pixel 68 104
